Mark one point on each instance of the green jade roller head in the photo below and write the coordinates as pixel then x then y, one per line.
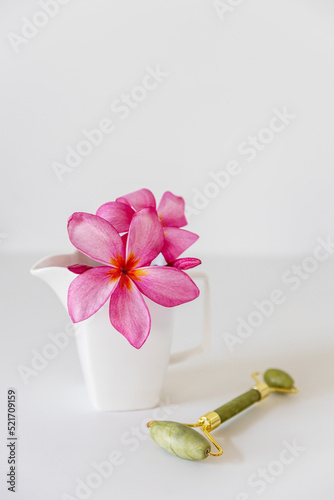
pixel 184 442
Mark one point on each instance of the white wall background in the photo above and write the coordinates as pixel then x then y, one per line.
pixel 225 78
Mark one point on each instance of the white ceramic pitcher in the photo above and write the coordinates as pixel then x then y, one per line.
pixel 118 376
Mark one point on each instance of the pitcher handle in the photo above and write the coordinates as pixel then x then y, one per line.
pixel 177 357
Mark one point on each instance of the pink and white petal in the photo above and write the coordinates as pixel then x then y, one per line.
pixel 167 286
pixel 176 242
pixel 185 263
pixel 129 314
pixel 79 268
pixel 143 198
pixel 119 215
pixel 88 292
pixel 95 237
pixel 171 210
pixel 145 238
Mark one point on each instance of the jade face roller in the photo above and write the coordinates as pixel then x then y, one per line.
pixel 184 442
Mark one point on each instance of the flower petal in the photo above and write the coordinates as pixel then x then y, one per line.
pixel 176 242
pixel 185 263
pixel 95 237
pixel 143 198
pixel 88 292
pixel 167 286
pixel 145 238
pixel 129 314
pixel 78 268
pixel 119 215
pixel 171 210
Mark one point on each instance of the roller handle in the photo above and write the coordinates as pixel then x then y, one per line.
pixel 237 405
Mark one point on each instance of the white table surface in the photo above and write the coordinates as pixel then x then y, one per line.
pixel 60 435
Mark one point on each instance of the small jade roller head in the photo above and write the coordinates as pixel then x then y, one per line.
pixel 278 378
pixel 184 442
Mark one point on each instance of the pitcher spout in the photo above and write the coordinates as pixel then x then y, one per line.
pixel 53 271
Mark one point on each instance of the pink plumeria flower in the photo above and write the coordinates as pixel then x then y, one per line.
pixel 170 212
pixel 126 273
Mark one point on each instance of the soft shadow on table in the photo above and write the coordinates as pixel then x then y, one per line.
pixel 209 379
